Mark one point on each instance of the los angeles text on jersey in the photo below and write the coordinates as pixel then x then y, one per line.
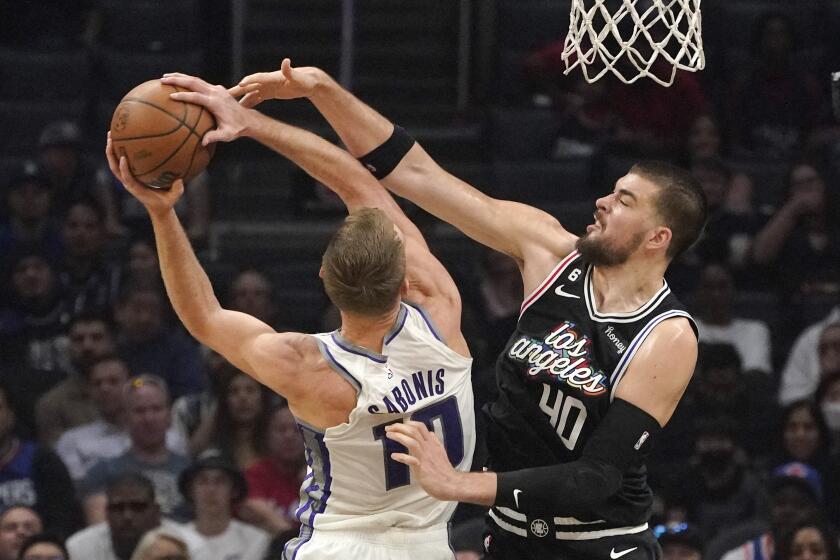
pixel 563 353
pixel 423 384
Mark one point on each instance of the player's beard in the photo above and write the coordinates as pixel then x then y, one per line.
pixel 596 251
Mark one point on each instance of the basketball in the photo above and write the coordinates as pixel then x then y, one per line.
pixel 161 137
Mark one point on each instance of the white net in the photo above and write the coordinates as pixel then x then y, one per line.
pixel 633 38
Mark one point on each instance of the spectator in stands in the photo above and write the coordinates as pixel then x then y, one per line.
pixel 68 404
pixel 827 398
pixel 804 436
pixel 811 540
pixel 194 415
pixel 147 403
pixel 142 266
pixel 717 487
pixel 803 238
pixel 467 539
pixel 132 510
pixel 33 325
pixel 719 388
pixel 34 476
pixel 680 541
pixel 253 293
pixel 214 486
pixel 43 546
pixel 241 420
pixel 274 482
pixel 149 345
pixel 794 497
pixel 106 437
pixel 28 197
pixel 777 102
pixel 61 156
pixel 803 369
pixel 717 323
pixel 162 544
pixel 17 523
pixel 88 280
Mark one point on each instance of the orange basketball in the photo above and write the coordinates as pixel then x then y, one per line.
pixel 161 137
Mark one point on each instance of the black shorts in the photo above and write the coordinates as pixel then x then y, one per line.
pixel 502 545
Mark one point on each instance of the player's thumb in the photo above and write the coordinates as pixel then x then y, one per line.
pixel 215 135
pixel 286 68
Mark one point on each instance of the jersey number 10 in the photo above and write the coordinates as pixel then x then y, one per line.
pixel 446 413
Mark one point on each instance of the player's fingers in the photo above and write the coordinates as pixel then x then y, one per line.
pixel 412 444
pixel 126 178
pixel 185 81
pixel 113 163
pixel 405 459
pixel 259 77
pixel 191 97
pixel 241 89
pixel 251 100
pixel 403 428
pixel 422 431
pixel 286 68
pixel 177 188
pixel 211 136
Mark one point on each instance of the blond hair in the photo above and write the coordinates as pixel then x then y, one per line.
pixel 155 535
pixel 364 264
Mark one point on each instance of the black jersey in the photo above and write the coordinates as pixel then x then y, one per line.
pixel 556 379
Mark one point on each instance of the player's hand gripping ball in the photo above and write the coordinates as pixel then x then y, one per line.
pixel 161 137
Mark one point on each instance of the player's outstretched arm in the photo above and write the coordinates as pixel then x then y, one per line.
pixel 430 284
pixel 534 238
pixel 644 401
pixel 248 343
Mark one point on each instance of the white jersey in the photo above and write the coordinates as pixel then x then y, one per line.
pixel 352 483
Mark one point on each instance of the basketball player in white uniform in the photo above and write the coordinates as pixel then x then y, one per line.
pixel 391 361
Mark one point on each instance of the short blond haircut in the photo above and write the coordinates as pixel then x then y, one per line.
pixel 364 264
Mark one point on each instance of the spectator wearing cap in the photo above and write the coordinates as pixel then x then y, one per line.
pixel 68 404
pixel 794 497
pixel 29 201
pixel 214 486
pixel 88 279
pixel 106 437
pixel 148 344
pixel 17 523
pixel 33 476
pixel 132 511
pixel 679 541
pixel 147 403
pixel 61 154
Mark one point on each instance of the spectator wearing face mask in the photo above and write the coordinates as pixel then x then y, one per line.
pixel 717 488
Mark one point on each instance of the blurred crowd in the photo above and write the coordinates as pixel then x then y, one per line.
pixel 121 438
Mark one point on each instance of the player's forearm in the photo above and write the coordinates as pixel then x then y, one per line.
pixel 186 283
pixel 358 125
pixel 322 160
pixel 472 488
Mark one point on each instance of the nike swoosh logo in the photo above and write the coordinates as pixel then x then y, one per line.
pixel 559 291
pixel 516 497
pixel 614 554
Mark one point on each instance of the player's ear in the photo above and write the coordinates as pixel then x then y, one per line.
pixel 321 273
pixel 660 238
pixel 404 288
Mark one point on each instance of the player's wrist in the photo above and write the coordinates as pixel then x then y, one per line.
pixel 323 85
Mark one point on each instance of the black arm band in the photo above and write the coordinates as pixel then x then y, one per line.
pixel 621 441
pixel 384 158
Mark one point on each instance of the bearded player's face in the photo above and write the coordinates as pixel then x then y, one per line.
pixel 623 220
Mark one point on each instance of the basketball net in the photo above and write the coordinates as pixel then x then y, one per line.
pixel 628 37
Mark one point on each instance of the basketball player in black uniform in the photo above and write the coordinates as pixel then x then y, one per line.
pixel 601 355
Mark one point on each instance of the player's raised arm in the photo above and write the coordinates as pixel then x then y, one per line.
pixel 430 284
pixel 248 343
pixel 534 238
